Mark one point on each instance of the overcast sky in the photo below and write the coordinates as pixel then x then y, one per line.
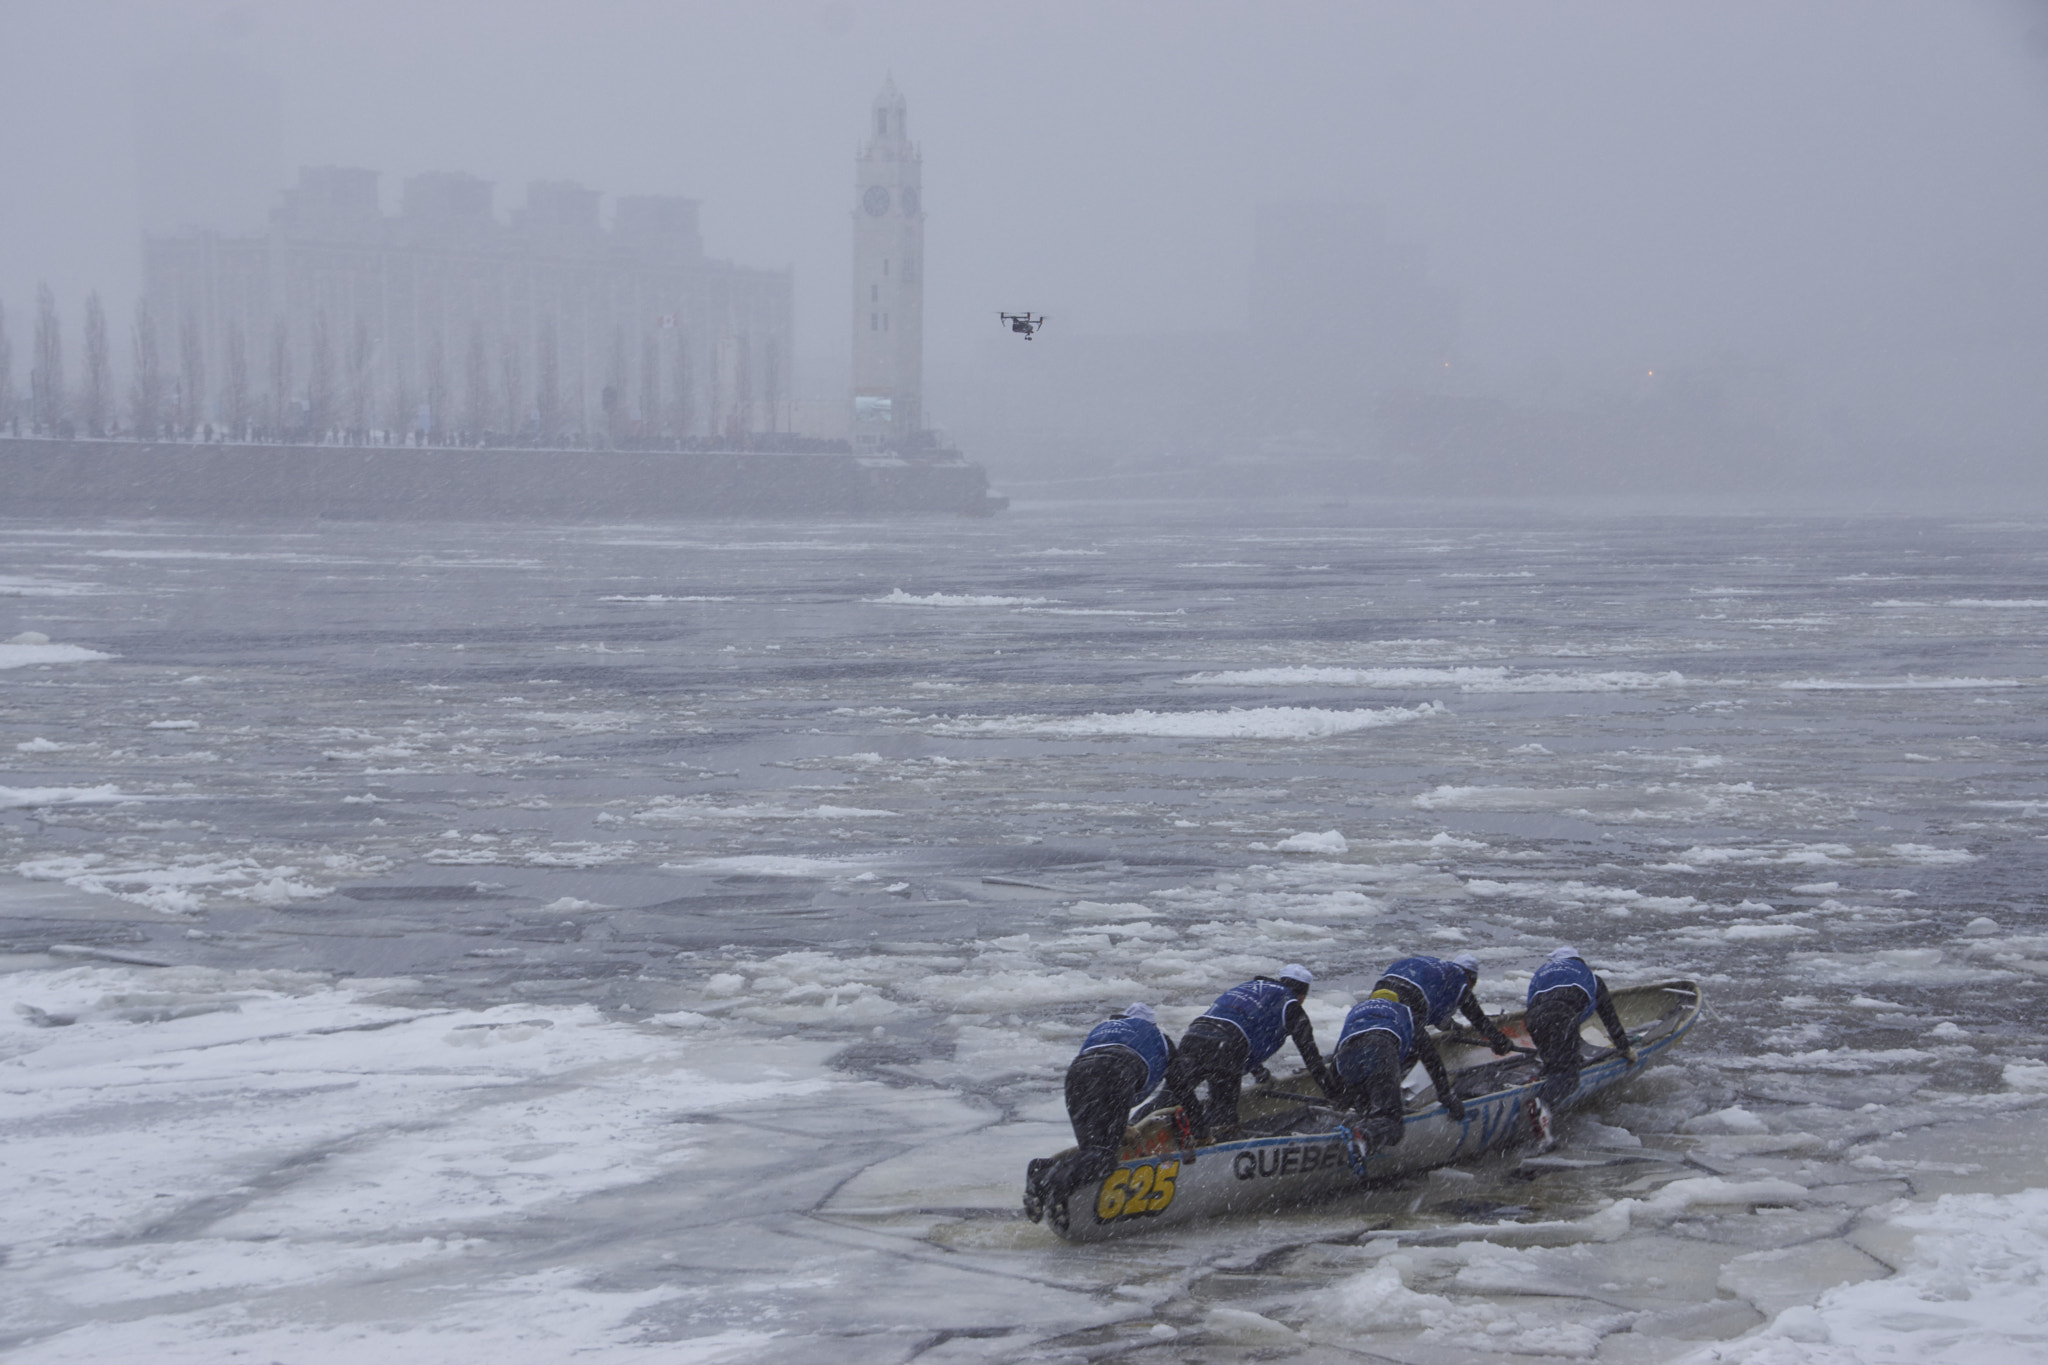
pixel 1859 189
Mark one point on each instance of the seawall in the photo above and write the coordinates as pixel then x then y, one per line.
pixel 188 479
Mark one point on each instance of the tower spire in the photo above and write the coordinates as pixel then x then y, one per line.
pixel 888 281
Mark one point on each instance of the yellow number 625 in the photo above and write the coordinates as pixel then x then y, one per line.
pixel 1141 1190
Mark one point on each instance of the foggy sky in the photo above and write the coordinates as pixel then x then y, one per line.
pixel 1857 190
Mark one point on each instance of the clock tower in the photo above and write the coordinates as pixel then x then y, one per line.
pixel 888 282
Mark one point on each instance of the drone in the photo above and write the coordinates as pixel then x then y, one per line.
pixel 1023 324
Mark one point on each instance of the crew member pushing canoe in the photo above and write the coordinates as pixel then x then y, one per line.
pixel 1245 1027
pixel 1563 994
pixel 1121 1061
pixel 1387 1032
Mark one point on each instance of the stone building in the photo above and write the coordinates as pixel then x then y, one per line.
pixel 888 283
pixel 446 323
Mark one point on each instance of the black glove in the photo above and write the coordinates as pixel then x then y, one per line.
pixel 1262 1076
pixel 1455 1107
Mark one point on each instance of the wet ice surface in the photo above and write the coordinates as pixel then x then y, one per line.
pixel 667 942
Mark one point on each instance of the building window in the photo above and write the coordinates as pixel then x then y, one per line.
pixel 874 322
pixel 881 123
pixel 874 293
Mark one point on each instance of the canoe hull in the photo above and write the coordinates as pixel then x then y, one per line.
pixel 1163 1187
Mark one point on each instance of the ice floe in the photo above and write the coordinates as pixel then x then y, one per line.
pixel 688 810
pixel 1908 684
pixel 900 598
pixel 25 585
pixel 1971 1288
pixel 2025 1075
pixel 1377 1301
pixel 1344 677
pixel 1606 802
pixel 182 885
pixel 1329 841
pixel 1467 679
pixel 1820 855
pixel 34 647
pixel 19 798
pixel 1258 722
pixel 780 865
pixel 385 1144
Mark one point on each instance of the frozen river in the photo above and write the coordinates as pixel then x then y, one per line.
pixel 512 944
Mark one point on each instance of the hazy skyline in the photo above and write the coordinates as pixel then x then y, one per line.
pixel 1858 192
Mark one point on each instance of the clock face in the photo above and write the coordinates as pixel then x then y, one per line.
pixel 908 197
pixel 875 201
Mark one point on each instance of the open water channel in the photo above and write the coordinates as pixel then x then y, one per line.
pixel 527 943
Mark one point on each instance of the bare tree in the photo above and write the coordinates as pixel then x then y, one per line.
pixel 682 413
pixel 547 397
pixel 477 377
pixel 436 425
pixel 280 400
pixel 191 378
pixel 740 421
pixel 514 386
pixel 234 397
pixel 402 401
pixel 575 417
pixel 319 382
pixel 7 405
pixel 613 398
pixel 403 409
pixel 96 399
pixel 650 385
pixel 147 398
pixel 359 379
pixel 46 377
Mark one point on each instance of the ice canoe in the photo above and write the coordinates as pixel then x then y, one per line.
pixel 1294 1150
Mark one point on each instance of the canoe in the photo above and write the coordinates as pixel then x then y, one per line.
pixel 1294 1149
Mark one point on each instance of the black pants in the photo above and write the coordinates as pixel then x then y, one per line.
pixel 1553 1020
pixel 1101 1088
pixel 1213 1052
pixel 1368 1067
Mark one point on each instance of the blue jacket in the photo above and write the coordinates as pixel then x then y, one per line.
pixel 1442 983
pixel 1556 976
pixel 1133 1035
pixel 1258 1010
pixel 1375 1016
